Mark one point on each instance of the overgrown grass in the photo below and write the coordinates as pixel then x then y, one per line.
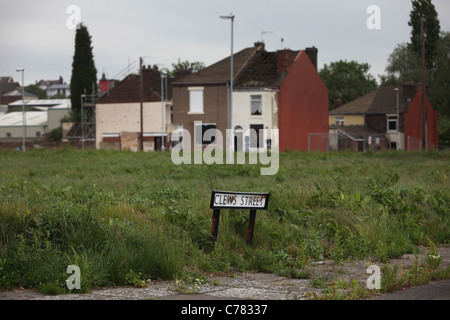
pixel 121 214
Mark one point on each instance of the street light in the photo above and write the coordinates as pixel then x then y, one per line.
pixel 163 75
pixel 24 121
pixel 398 122
pixel 230 151
pixel 398 116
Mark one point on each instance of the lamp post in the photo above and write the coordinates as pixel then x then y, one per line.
pixel 163 75
pixel 230 151
pixel 398 115
pixel 24 120
pixel 398 120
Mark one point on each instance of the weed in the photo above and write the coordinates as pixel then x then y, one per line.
pixel 136 279
pixel 112 212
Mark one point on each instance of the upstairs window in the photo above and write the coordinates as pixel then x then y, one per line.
pixel 392 123
pixel 196 100
pixel 256 105
pixel 339 121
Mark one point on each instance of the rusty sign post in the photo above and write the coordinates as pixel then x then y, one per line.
pixel 237 200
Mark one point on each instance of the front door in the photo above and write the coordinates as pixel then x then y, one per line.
pixel 256 136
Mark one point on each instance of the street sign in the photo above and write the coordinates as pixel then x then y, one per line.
pixel 237 200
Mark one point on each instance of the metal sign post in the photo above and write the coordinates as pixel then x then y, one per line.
pixel 237 200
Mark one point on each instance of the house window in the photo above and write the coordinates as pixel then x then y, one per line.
pixel 339 121
pixel 256 105
pixel 38 134
pixel 8 134
pixel 196 100
pixel 392 123
pixel 203 136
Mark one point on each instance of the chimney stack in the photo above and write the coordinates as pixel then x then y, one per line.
pixel 284 59
pixel 312 54
pixel 147 75
pixel 409 90
pixel 260 46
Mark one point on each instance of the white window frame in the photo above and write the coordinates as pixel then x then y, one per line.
pixel 339 121
pixel 391 118
pixel 254 99
pixel 196 100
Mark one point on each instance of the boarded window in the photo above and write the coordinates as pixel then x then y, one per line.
pixel 202 136
pixel 196 100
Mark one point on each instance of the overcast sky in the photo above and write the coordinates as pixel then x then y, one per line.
pixel 35 35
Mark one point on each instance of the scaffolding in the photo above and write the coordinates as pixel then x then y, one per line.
pixel 84 131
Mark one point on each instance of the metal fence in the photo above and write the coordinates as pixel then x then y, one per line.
pixel 326 142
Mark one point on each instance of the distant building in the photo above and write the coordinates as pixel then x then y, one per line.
pixel 373 121
pixel 104 85
pixel 7 85
pixel 60 90
pixel 42 116
pixel 118 116
pixel 44 84
pixel 16 95
pixel 54 87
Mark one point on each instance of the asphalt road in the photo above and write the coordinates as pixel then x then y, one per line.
pixel 431 291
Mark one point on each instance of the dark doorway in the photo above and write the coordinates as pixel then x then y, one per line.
pixel 256 136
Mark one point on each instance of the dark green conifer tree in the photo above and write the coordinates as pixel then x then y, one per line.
pixel 84 73
pixel 425 9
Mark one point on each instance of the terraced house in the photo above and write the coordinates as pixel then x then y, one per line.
pixel 272 90
pixel 390 117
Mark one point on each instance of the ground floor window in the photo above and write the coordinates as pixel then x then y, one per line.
pixel 205 133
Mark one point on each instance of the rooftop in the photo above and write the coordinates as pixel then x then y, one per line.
pixel 15 119
pixel 41 103
pixel 380 101
pixel 219 72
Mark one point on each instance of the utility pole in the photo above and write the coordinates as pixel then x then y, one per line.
pixel 141 142
pixel 424 108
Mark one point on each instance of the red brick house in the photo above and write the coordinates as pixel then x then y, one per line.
pixel 302 103
pixel 414 124
pixel 375 115
pixel 272 90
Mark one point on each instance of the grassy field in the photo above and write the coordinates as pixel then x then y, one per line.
pixel 124 217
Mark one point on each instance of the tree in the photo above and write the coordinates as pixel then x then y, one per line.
pixel 347 80
pixel 403 66
pixel 34 89
pixel 440 83
pixel 185 65
pixel 424 9
pixel 84 73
